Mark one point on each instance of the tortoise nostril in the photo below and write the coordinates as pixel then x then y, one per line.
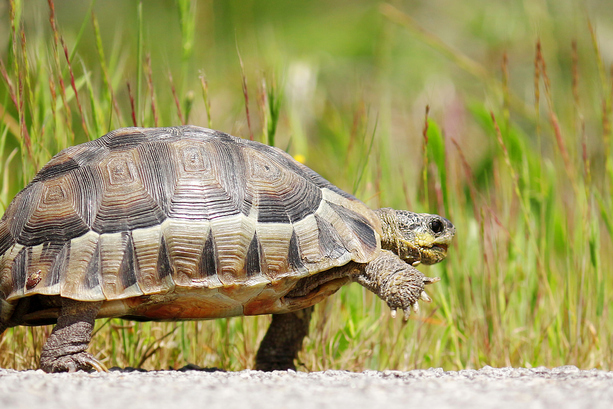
pixel 437 226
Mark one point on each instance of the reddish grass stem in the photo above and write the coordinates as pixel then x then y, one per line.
pixel 56 41
pixel 575 72
pixel 176 97
pixel 132 108
pixel 425 153
pixel 553 118
pixel 105 72
pixel 151 89
pixel 207 103
pixel 468 174
pixel 245 93
pixel 74 88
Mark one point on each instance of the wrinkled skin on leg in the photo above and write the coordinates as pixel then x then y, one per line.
pixel 397 283
pixel 65 350
pixel 408 239
pixel 283 340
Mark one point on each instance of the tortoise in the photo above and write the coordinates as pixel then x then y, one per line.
pixel 187 223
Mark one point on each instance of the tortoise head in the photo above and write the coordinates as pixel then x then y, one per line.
pixel 415 237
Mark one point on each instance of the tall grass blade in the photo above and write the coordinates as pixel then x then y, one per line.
pixel 207 102
pixel 139 61
pixel 245 91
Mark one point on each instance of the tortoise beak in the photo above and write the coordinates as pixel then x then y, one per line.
pixel 434 254
pixel 432 249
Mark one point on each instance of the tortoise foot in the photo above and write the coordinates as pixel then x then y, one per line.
pixel 269 366
pixel 71 363
pixel 283 341
pixel 65 350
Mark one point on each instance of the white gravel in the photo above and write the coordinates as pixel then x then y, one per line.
pixel 501 388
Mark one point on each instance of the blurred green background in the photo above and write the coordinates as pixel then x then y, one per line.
pixel 516 152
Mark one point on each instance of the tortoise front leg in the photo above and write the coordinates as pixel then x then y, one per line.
pixel 65 350
pixel 283 340
pixel 397 283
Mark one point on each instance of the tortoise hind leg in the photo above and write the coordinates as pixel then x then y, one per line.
pixel 65 350
pixel 283 340
pixel 6 314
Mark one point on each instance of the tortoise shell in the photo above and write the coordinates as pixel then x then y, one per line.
pixel 178 223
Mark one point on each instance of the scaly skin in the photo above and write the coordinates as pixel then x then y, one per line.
pixel 283 340
pixel 64 351
pixel 397 283
pixel 408 240
pixel 415 237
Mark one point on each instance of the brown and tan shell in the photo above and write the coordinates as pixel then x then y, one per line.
pixel 178 223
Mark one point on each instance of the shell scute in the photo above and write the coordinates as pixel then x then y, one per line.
pixel 281 196
pixel 76 277
pixel 145 212
pixel 6 238
pixel 125 203
pixel 126 138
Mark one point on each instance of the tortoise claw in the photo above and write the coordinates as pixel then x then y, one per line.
pixel 431 280
pixel 425 297
pixel 73 363
pixel 96 365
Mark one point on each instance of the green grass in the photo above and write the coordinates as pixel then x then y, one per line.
pixel 515 149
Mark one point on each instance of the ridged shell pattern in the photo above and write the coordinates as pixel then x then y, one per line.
pixel 143 211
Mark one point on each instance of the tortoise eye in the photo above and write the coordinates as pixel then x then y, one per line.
pixel 437 226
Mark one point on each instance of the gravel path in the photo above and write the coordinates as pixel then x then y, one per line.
pixel 501 388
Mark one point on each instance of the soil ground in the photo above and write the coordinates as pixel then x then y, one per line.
pixel 501 388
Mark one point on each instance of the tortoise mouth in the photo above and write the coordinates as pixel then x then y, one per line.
pixel 434 254
pixel 440 247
